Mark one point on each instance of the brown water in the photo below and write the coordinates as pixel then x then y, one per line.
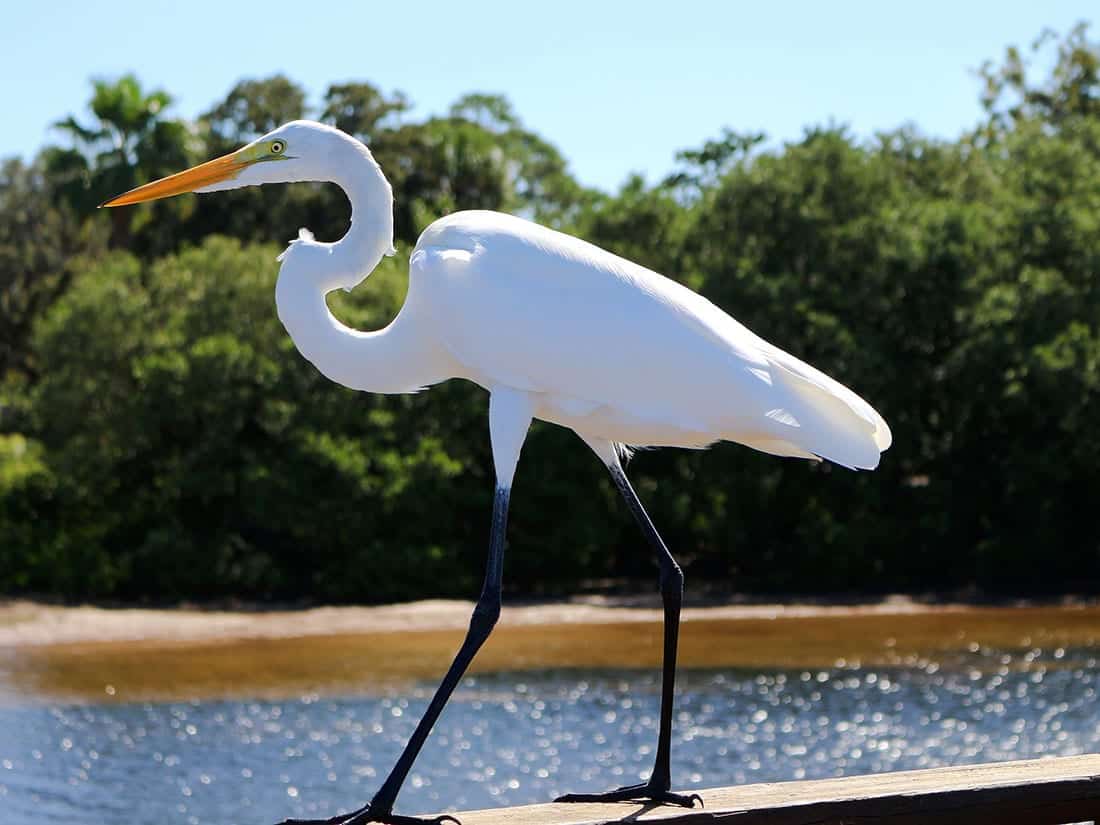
pixel 253 731
pixel 372 662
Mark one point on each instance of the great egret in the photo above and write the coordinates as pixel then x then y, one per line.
pixel 554 328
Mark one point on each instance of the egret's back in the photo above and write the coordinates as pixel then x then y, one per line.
pixel 617 351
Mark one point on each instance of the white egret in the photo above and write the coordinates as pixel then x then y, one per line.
pixel 554 328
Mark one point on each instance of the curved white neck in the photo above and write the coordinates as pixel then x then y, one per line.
pixel 396 359
pixel 370 236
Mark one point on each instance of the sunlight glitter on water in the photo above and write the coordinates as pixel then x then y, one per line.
pixel 513 738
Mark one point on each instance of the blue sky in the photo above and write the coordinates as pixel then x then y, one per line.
pixel 619 87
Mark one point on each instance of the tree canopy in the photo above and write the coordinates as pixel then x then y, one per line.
pixel 161 439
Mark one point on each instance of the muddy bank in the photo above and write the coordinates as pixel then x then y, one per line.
pixel 26 623
pixel 89 654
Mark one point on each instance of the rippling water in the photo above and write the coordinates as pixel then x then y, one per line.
pixel 526 737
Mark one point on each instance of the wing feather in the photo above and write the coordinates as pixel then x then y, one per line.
pixel 523 306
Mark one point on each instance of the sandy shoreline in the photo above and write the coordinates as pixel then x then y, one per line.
pixel 32 624
pixel 94 654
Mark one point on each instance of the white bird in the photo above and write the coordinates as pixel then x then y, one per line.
pixel 555 329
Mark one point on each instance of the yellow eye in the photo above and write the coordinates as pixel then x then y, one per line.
pixel 277 147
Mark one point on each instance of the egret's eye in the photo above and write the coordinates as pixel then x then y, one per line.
pixel 277 147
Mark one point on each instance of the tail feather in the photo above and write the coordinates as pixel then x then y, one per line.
pixel 833 421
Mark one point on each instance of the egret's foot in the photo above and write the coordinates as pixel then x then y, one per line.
pixel 365 815
pixel 636 793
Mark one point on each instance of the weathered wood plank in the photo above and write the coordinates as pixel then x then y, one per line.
pixel 1032 792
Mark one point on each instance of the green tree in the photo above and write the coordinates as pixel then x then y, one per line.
pixel 952 283
pixel 1070 92
pixel 41 245
pixel 539 181
pixel 252 108
pixel 213 460
pixel 129 142
pixel 362 110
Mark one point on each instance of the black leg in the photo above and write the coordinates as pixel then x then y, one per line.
pixel 672 596
pixel 484 618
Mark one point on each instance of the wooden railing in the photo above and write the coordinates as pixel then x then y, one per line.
pixel 1033 792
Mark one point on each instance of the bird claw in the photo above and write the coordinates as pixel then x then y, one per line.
pixel 394 819
pixel 636 793
pixel 364 815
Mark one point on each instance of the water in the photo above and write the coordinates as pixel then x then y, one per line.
pixel 511 738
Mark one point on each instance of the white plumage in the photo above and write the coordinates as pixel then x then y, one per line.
pixel 554 328
pixel 616 351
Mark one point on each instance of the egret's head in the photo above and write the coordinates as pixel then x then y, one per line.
pixel 296 151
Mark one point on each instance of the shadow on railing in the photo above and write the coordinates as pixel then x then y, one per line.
pixel 1032 792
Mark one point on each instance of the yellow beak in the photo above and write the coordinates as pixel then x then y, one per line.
pixel 205 174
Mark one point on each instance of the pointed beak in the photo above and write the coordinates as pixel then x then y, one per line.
pixel 205 174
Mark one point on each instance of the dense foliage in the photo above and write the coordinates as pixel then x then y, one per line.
pixel 160 438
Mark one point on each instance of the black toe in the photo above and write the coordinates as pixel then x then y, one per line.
pixel 636 793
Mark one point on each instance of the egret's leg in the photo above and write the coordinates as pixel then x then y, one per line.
pixel 509 418
pixel 672 596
